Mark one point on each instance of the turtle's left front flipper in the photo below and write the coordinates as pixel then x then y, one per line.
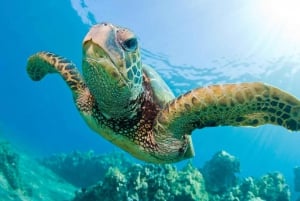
pixel 246 104
pixel 42 63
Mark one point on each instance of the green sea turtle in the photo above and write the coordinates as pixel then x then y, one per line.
pixel 129 104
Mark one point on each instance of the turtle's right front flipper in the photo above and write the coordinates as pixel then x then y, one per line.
pixel 42 63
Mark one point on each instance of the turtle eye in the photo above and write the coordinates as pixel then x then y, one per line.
pixel 130 44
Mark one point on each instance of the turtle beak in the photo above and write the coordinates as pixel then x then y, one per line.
pixel 103 40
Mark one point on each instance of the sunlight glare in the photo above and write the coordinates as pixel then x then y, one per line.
pixel 283 15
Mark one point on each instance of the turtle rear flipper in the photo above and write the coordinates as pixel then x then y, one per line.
pixel 42 63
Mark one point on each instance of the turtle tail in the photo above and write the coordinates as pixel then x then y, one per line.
pixel 42 63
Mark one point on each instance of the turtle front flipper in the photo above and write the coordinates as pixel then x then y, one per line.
pixel 245 104
pixel 42 63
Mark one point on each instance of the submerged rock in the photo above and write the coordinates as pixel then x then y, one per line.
pixel 23 179
pixel 9 166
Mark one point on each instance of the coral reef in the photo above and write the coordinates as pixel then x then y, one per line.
pixel 121 179
pixel 297 179
pixel 219 172
pixel 148 182
pixel 270 187
pixel 84 169
pixel 112 177
pixel 222 183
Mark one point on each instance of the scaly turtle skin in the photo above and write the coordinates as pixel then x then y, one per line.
pixel 128 103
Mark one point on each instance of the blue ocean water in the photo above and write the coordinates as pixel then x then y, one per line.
pixel 190 44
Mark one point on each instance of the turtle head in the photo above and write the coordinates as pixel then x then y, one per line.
pixel 112 68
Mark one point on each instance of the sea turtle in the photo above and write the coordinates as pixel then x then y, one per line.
pixel 129 104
